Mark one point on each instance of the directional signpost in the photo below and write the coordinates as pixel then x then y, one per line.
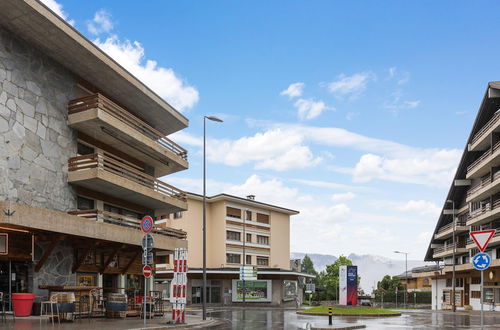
pixel 482 261
pixel 147 243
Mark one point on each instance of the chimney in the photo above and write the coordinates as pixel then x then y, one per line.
pixel 251 197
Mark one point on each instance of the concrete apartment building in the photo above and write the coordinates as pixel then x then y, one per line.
pixel 475 191
pixel 83 143
pixel 231 222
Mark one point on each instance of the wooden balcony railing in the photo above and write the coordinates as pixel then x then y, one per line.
pixel 484 182
pixel 99 101
pixel 450 225
pixel 108 163
pixel 483 156
pixel 122 220
pixel 485 208
pixel 486 127
pixel 449 247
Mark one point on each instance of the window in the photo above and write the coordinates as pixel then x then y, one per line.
pixel 449 282
pixel 263 218
pixel 262 240
pixel 83 203
pixel 476 280
pixel 498 253
pixel 459 282
pixel 178 215
pixel 4 244
pixel 248 259
pixel 233 235
pixel 232 258
pixel 249 238
pixel 262 261
pixel 83 149
pixel 248 215
pixel 426 282
pixel 465 260
pixel 475 294
pixel 233 212
pixel 121 211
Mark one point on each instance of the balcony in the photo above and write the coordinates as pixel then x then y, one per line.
pixel 447 230
pixel 480 140
pixel 485 214
pixel 129 222
pixel 483 164
pixel 101 119
pixel 106 174
pixel 484 189
pixel 447 250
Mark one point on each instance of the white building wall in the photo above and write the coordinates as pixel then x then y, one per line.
pixel 441 285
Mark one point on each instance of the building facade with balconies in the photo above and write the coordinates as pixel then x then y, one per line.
pixel 239 231
pixel 83 144
pixel 473 203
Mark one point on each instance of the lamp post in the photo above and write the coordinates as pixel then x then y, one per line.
pixel 454 307
pixel 406 273
pixel 204 226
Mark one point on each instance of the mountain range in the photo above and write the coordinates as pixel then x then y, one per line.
pixel 371 268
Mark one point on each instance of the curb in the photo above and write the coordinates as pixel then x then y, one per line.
pixel 206 323
pixel 357 315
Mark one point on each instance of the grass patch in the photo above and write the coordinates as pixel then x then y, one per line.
pixel 349 310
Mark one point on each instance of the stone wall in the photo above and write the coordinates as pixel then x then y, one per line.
pixel 57 269
pixel 35 141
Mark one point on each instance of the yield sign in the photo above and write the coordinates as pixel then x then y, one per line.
pixel 482 238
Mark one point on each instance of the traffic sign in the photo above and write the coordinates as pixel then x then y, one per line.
pixel 481 261
pixel 310 287
pixel 147 258
pixel 248 273
pixel 148 242
pixel 147 271
pixel 147 224
pixel 482 238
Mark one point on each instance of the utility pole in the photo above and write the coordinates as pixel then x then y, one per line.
pixel 454 245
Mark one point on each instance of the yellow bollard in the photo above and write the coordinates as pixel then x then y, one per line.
pixel 330 314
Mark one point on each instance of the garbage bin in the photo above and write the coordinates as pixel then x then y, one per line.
pixel 22 303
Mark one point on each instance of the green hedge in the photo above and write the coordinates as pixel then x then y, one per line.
pixel 423 297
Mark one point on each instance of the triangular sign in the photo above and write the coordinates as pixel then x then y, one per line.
pixel 482 238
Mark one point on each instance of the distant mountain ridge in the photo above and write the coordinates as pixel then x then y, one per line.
pixel 371 268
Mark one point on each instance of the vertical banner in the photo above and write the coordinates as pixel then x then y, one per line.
pixel 343 285
pixel 352 285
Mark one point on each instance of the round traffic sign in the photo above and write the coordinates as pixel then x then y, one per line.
pixel 481 261
pixel 147 271
pixel 147 224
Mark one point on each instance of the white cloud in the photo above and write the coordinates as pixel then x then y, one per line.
pixel 294 90
pixel 343 196
pixel 100 23
pixel 421 207
pixel 164 81
pixel 352 86
pixel 310 109
pixel 351 115
pixel 57 8
pixel 402 76
pixel 397 103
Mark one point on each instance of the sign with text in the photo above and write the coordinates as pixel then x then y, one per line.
pixel 248 273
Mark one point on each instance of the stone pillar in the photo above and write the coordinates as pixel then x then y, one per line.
pixel 99 279
pixel 121 283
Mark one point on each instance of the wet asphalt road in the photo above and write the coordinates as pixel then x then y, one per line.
pixel 280 319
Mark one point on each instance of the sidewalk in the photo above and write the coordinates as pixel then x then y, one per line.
pixel 33 322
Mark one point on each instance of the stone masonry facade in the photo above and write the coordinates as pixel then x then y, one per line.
pixel 35 139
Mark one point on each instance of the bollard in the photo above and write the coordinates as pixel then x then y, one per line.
pixel 330 314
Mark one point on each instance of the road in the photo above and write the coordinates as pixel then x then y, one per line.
pixel 288 319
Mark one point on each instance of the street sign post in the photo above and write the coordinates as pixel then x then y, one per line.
pixel 148 242
pixel 248 273
pixel 147 258
pixel 482 261
pixel 147 224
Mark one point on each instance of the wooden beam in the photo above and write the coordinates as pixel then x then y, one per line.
pixel 110 257
pixel 46 255
pixel 81 258
pixel 131 261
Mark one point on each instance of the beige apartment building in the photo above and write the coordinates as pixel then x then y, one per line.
pixel 234 222
pixel 475 193
pixel 82 145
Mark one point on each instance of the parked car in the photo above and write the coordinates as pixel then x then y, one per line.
pixel 365 302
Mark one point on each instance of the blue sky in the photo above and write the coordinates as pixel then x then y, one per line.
pixel 355 113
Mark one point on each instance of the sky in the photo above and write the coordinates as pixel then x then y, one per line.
pixel 353 113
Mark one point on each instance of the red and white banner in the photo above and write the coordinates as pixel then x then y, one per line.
pixel 179 286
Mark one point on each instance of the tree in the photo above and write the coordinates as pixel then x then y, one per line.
pixel 328 280
pixel 389 284
pixel 308 266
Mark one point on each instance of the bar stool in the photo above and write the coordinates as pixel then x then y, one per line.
pixel 84 304
pixel 51 302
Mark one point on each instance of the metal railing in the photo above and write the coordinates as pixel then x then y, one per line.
pixel 486 208
pixel 103 103
pixel 122 220
pixel 486 127
pixel 450 225
pixel 448 247
pixel 483 156
pixel 484 182
pixel 108 163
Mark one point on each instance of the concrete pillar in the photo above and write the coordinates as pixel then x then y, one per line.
pixel 99 205
pixel 99 280
pixel 121 283
pixel 151 284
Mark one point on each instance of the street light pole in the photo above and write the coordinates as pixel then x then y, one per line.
pixel 204 225
pixel 406 274
pixel 454 306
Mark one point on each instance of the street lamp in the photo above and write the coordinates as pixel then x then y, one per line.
pixel 406 273
pixel 454 307
pixel 204 293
